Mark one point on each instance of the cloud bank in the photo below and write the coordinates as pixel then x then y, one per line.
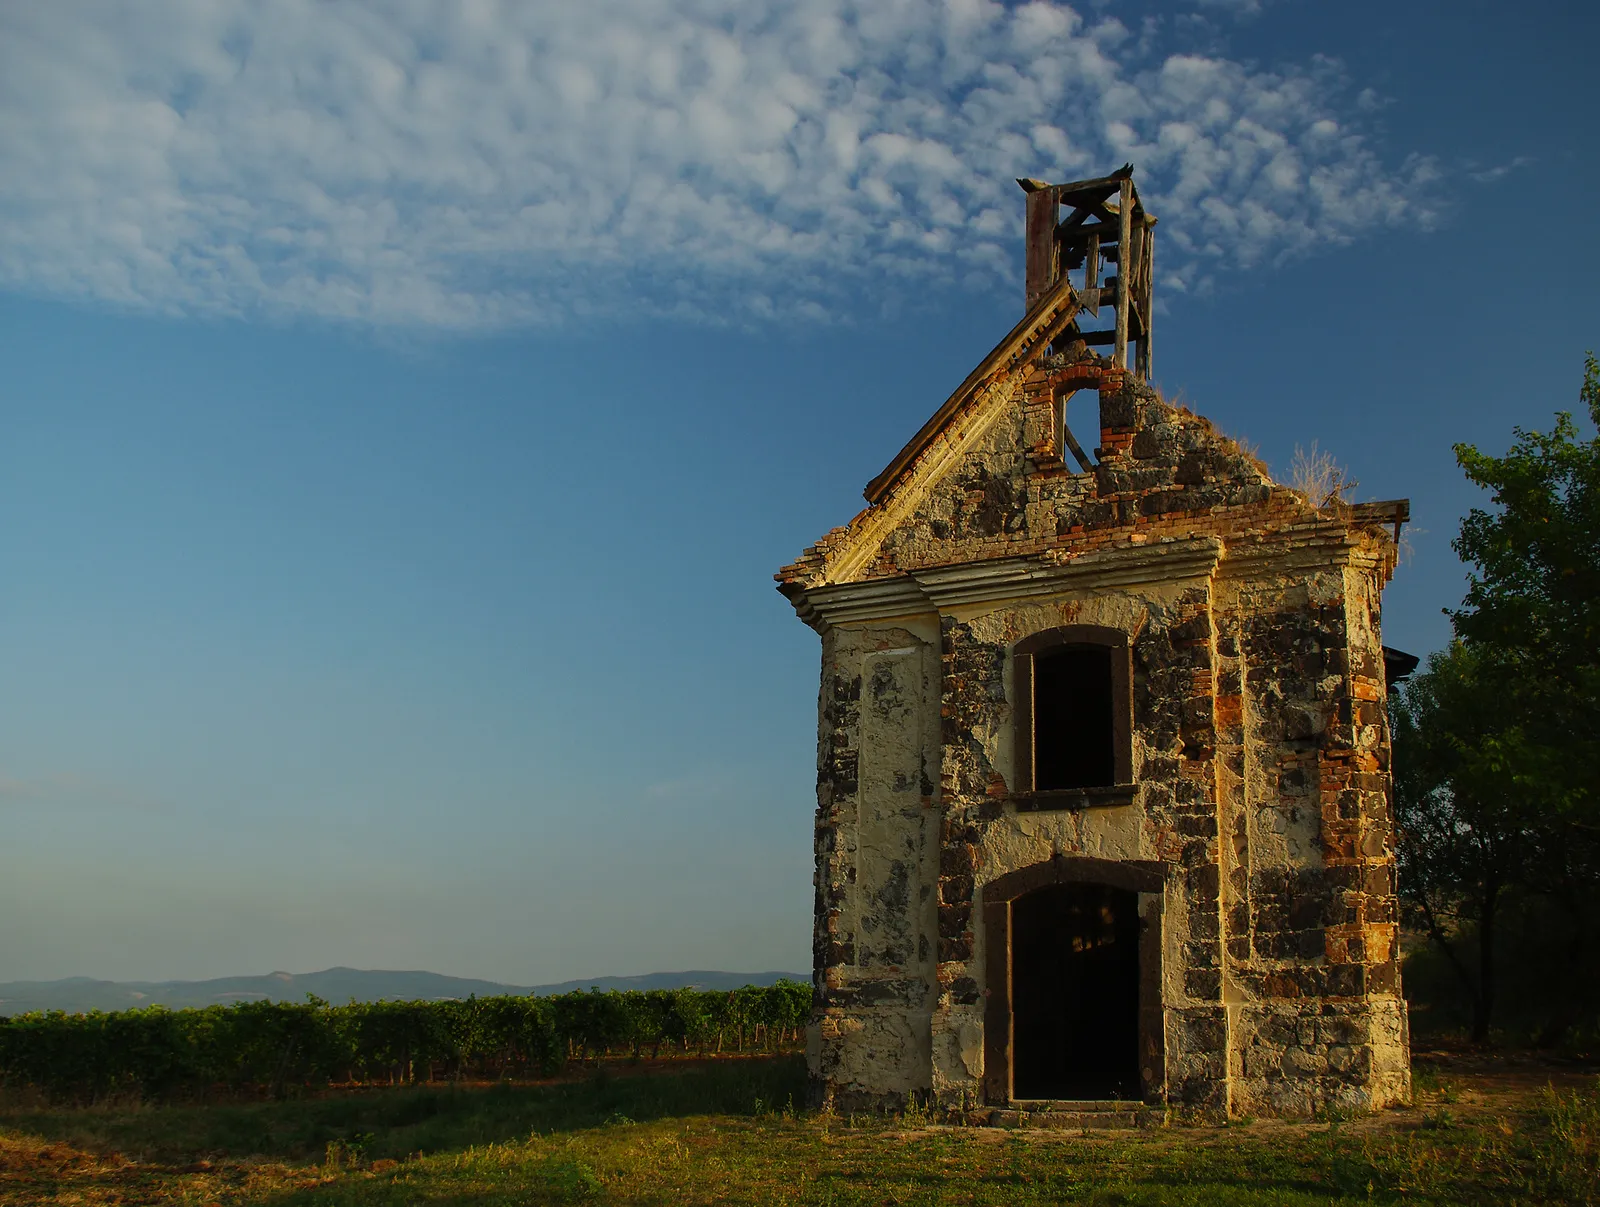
pixel 481 164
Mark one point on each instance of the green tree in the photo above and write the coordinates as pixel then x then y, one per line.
pixel 1497 743
pixel 1532 615
pixel 1532 608
pixel 1465 837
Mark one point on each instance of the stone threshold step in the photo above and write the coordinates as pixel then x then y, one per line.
pixel 1076 1104
pixel 1068 1115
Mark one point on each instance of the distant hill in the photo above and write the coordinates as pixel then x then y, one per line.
pixel 700 979
pixel 338 985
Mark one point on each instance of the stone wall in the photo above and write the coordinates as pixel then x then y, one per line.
pixel 1172 819
pixel 877 828
pixel 1260 751
pixel 1314 924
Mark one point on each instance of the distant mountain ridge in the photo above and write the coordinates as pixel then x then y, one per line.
pixel 77 995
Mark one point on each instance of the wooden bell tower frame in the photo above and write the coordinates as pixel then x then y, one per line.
pixel 1106 225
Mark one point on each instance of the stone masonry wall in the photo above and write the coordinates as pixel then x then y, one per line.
pixel 873 951
pixel 1313 941
pixel 1260 756
pixel 1173 818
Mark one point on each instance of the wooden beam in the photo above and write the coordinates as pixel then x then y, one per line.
pixel 1092 194
pixel 1077 449
pixel 1042 258
pixel 1133 270
pixel 1091 277
pixel 1146 352
pixel 1109 183
pixel 1069 232
pixel 1077 218
pixel 1389 511
pixel 1099 204
pixel 1138 276
pixel 1119 354
pixel 1135 322
pixel 1108 228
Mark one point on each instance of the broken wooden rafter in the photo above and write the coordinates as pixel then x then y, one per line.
pixel 1071 442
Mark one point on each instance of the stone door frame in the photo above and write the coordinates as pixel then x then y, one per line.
pixel 1142 876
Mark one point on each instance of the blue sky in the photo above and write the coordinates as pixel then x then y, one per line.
pixel 405 409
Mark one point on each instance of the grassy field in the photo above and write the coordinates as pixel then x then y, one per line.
pixel 1484 1130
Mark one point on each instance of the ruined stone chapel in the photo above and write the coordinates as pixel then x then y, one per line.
pixel 1103 792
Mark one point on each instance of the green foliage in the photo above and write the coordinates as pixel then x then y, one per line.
pixel 276 1048
pixel 1570 1164
pixel 1496 746
pixel 1532 609
pixel 1466 835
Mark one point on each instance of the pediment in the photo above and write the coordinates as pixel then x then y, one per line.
pixel 988 477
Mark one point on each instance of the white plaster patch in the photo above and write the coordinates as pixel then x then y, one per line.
pixel 970 1037
pixel 1287 835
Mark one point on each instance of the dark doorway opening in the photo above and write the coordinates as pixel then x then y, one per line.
pixel 1075 993
pixel 1074 744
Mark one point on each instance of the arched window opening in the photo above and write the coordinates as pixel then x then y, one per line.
pixel 1077 419
pixel 1074 711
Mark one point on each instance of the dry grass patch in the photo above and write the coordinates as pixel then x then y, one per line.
pixel 1482 1131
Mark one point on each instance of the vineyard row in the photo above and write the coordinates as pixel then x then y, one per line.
pixel 278 1047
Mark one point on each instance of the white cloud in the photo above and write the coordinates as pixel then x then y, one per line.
pixel 1497 171
pixel 1239 8
pixel 492 162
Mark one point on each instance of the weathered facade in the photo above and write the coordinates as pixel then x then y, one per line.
pixel 1103 799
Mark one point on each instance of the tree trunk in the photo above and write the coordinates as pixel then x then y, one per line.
pixel 1566 1012
pixel 1483 1006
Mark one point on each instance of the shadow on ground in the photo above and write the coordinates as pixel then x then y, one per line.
pixel 372 1125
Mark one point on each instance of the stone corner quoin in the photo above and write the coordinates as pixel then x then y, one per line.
pixel 1103 783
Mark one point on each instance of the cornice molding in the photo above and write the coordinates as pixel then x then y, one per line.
pixel 1315 548
pixel 998 580
pixel 824 607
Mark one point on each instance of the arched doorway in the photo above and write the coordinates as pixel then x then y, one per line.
pixel 1073 982
pixel 1075 993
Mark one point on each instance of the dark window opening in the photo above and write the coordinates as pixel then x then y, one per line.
pixel 1074 741
pixel 1075 993
pixel 1078 428
pixel 1074 717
